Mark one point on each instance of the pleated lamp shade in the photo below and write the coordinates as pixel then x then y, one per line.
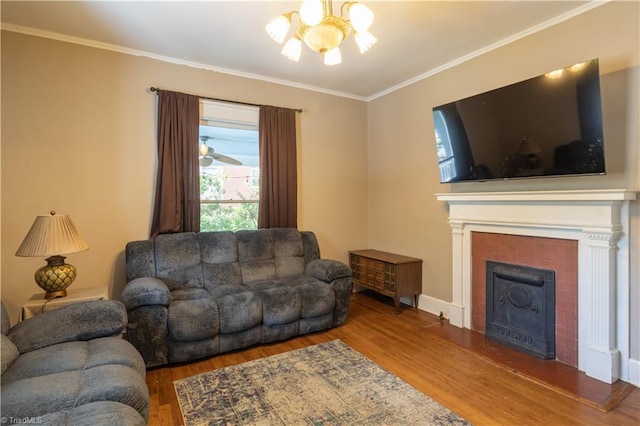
pixel 53 236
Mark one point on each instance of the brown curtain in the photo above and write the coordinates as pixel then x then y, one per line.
pixel 278 168
pixel 177 202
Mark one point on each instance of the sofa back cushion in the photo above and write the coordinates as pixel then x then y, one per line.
pixel 266 254
pixel 255 253
pixel 210 259
pixel 220 264
pixel 288 252
pixel 178 260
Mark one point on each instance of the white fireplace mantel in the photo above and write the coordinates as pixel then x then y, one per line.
pixel 598 220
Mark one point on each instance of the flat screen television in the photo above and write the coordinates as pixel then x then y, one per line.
pixel 550 125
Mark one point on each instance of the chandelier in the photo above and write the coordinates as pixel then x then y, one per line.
pixel 322 31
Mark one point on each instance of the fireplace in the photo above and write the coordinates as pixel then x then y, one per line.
pixel 558 255
pixel 597 221
pixel 520 310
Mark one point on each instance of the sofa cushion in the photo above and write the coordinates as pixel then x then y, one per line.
pixel 140 259
pixel 316 296
pixel 218 247
pixel 96 413
pixel 216 274
pixel 287 242
pixel 254 245
pixel 239 311
pixel 70 356
pixel 275 333
pixel 289 266
pixel 280 305
pixel 241 339
pixel 187 351
pixel 178 260
pixel 258 270
pixel 227 289
pixel 40 395
pixel 8 354
pixel 193 315
pixel 288 251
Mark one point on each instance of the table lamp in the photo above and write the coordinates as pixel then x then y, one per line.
pixel 53 236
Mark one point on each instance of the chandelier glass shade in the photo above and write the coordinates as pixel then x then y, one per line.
pixel 322 31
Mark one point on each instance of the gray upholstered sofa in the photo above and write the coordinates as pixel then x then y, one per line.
pixel 71 366
pixel 192 295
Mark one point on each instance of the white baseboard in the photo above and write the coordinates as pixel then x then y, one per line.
pixel 634 372
pixel 434 306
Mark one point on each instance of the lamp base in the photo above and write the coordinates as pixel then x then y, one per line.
pixel 55 294
pixel 55 277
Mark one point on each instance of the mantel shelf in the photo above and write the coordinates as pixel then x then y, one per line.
pixel 532 196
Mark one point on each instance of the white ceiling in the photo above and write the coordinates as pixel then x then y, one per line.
pixel 416 38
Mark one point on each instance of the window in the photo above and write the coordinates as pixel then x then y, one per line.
pixel 229 167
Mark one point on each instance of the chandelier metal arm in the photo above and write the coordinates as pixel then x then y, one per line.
pixel 346 4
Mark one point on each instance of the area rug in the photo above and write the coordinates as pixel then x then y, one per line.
pixel 325 384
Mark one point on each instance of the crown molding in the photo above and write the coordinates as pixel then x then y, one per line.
pixel 141 53
pixel 500 43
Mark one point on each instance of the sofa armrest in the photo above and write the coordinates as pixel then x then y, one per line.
pixel 145 291
pixel 327 270
pixel 79 321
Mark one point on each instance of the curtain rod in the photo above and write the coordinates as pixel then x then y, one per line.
pixel 155 89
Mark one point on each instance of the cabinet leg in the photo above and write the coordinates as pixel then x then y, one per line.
pixel 396 303
pixel 415 300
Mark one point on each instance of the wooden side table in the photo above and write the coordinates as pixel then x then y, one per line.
pixel 38 304
pixel 387 273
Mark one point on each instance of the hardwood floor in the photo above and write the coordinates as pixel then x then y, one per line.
pixel 411 346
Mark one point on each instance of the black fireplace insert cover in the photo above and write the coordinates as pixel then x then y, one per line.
pixel 520 308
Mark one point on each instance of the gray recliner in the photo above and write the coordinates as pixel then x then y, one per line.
pixel 71 366
pixel 192 295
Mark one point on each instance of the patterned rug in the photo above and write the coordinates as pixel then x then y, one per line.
pixel 325 384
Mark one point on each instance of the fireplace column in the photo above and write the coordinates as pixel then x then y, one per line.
pixel 599 355
pixel 461 260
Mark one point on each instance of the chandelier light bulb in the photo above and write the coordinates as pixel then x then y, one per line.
pixel 365 40
pixel 361 17
pixel 204 149
pixel 292 49
pixel 332 57
pixel 311 12
pixel 278 28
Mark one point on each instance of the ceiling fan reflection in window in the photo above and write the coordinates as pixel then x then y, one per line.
pixel 208 154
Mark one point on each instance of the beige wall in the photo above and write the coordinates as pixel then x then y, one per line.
pixel 404 215
pixel 78 136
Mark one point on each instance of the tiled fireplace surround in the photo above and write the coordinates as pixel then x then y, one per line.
pixel 582 235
